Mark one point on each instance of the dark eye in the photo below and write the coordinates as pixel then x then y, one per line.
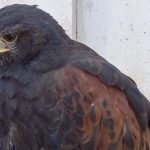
pixel 9 37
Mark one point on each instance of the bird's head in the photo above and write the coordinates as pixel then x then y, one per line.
pixel 26 31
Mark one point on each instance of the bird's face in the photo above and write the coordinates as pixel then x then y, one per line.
pixel 17 42
pixel 21 34
pixel 25 31
pixel 7 42
pixel 8 46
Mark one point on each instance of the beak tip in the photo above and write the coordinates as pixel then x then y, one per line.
pixel 2 50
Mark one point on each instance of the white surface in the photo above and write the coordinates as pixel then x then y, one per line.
pixel 119 30
pixel 61 10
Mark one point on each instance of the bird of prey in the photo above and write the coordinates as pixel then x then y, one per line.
pixel 58 94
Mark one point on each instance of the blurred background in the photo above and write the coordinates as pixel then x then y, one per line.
pixel 118 30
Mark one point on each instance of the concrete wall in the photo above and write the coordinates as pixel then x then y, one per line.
pixel 119 30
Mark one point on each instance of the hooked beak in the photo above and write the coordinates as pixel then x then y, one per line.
pixel 3 47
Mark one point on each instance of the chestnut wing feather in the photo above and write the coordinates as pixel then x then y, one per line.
pixel 111 76
pixel 101 116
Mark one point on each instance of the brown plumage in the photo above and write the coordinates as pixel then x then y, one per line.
pixel 102 116
pixel 58 94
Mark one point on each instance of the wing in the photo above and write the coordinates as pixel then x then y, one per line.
pixel 98 116
pixel 112 77
pixel 89 61
pixel 103 108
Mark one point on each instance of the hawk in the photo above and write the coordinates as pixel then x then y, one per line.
pixel 58 94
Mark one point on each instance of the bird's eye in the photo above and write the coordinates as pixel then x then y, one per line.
pixel 9 37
